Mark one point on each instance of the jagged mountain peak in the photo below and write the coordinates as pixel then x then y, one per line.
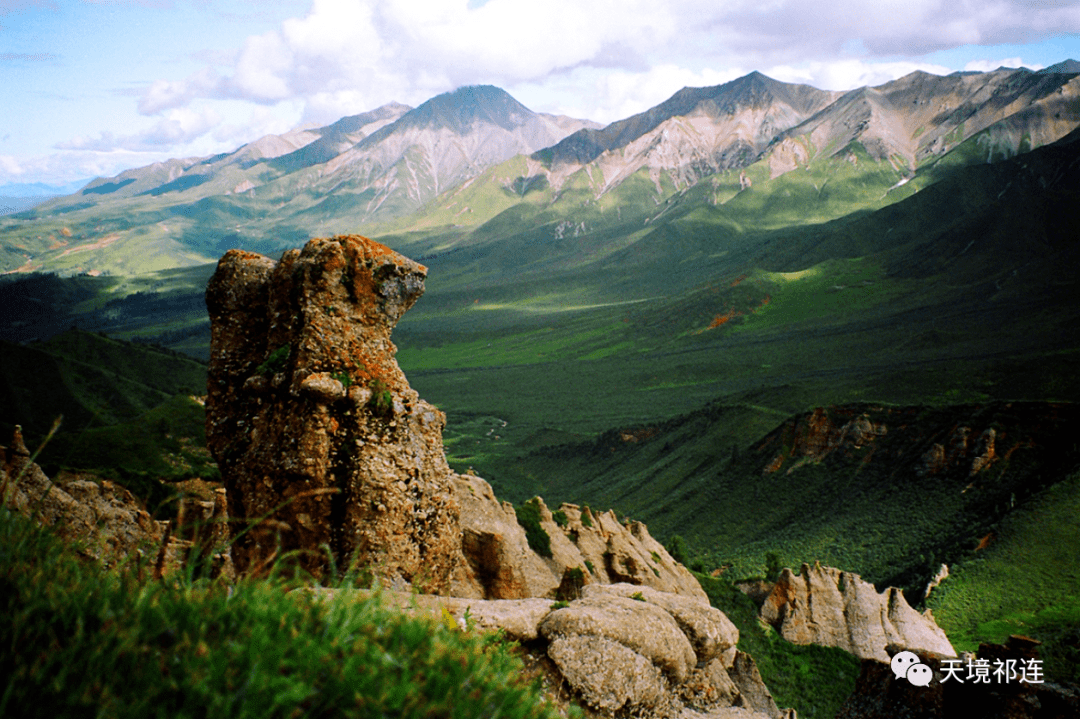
pixel 464 107
pixel 754 91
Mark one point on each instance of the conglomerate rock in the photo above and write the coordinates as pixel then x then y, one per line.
pixel 823 605
pixel 323 446
pixel 326 452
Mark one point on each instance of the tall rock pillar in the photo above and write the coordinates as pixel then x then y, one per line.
pixel 323 446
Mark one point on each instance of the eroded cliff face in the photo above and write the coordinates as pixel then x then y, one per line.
pixel 325 450
pixel 604 550
pixel 823 605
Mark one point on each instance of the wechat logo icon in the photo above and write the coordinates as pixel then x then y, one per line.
pixel 906 665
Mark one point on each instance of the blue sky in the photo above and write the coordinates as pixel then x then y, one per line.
pixel 93 87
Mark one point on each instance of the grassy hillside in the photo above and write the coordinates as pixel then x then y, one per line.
pixel 1025 581
pixel 92 380
pixel 166 308
pixel 870 507
pixel 128 410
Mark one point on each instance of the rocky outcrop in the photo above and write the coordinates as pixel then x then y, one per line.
pixel 823 605
pixel 596 544
pixel 880 694
pixel 320 440
pixel 102 520
pixel 819 434
pixel 326 452
pixel 622 648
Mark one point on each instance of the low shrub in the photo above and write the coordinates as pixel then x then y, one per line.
pixel 528 516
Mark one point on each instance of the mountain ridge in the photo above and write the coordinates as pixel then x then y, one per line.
pixel 415 169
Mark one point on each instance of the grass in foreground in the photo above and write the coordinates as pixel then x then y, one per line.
pixel 77 641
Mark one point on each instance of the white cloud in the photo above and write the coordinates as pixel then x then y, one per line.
pixel 165 94
pixel 988 65
pixel 850 74
pixel 345 56
pixel 610 95
pixel 70 165
pixel 600 59
pixel 178 127
pixel 10 167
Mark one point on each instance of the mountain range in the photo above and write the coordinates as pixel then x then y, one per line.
pixel 463 157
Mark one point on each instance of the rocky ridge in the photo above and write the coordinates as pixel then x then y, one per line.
pixel 105 523
pixel 620 647
pixel 103 519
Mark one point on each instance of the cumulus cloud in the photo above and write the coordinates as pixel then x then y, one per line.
pixel 849 74
pixel 178 127
pixel 597 59
pixel 350 55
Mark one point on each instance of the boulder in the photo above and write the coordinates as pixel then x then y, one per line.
pixel 608 675
pixel 660 655
pixel 710 632
pixel 638 625
pixel 823 605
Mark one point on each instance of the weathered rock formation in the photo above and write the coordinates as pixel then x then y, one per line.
pixel 328 454
pixel 595 543
pixel 103 520
pixel 879 694
pixel 322 444
pixel 817 435
pixel 624 648
pixel 823 605
pixel 325 449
